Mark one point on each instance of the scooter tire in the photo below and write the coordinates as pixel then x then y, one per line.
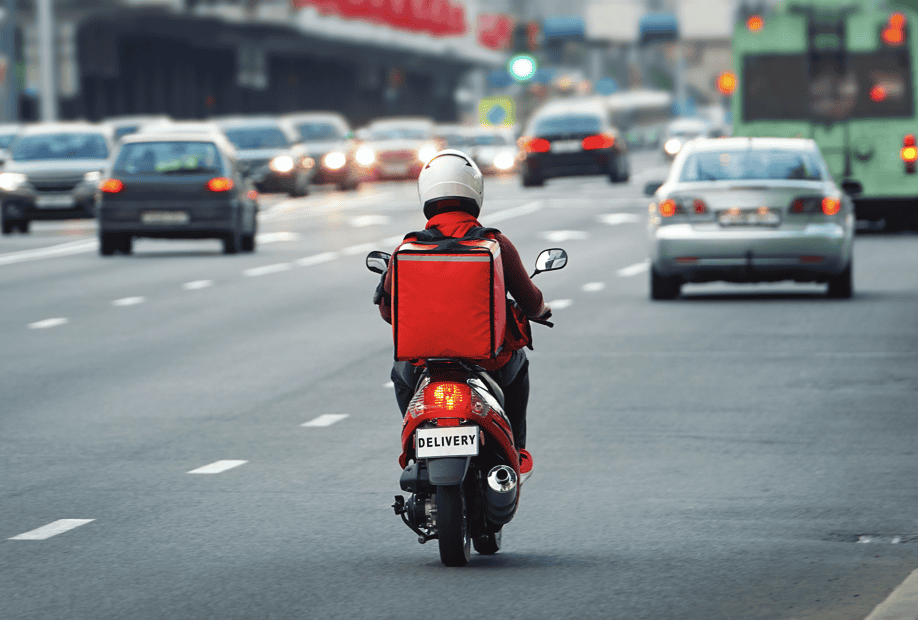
pixel 453 533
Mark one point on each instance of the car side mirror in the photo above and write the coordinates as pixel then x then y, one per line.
pixel 378 262
pixel 551 260
pixel 651 188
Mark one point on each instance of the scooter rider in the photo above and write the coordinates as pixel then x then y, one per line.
pixel 451 190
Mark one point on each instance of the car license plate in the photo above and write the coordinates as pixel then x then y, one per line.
pixel 395 169
pixel 54 202
pixel 164 217
pixel 763 216
pixel 565 146
pixel 451 441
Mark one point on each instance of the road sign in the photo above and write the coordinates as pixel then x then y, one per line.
pixel 496 112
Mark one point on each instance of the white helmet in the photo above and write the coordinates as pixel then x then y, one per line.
pixel 451 174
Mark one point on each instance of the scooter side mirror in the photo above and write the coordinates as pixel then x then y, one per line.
pixel 378 262
pixel 551 260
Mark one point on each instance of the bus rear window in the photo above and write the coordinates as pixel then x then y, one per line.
pixel 785 87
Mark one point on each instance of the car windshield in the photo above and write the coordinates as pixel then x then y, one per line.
pixel 454 141
pixel 6 139
pixel 573 123
pixel 125 130
pixel 70 145
pixel 751 164
pixel 247 138
pixel 399 133
pixel 318 132
pixel 488 140
pixel 168 158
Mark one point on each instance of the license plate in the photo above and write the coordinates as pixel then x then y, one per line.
pixel 565 146
pixel 54 202
pixel 762 216
pixel 164 217
pixel 451 441
pixel 395 169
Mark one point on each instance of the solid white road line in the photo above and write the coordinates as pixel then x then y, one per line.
pixel 52 529
pixel 593 287
pixel 326 419
pixel 129 301
pixel 48 323
pixel 560 304
pixel 197 284
pixel 218 467
pixel 902 604
pixel 613 219
pixel 267 269
pixel 633 270
pixel 64 249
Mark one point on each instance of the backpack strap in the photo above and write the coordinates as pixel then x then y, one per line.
pixel 433 235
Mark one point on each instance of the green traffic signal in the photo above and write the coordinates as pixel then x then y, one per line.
pixel 522 67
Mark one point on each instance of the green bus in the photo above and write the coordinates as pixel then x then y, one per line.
pixel 841 72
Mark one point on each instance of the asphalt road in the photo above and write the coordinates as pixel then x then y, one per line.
pixel 744 452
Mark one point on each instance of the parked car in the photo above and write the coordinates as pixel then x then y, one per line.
pixel 268 149
pixel 397 148
pixel 329 141
pixel 571 137
pixel 51 173
pixel 750 210
pixel 176 186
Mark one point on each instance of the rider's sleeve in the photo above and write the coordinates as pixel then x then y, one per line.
pixel 518 282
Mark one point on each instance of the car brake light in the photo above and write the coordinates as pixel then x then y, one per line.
pixel 599 141
pixel 831 206
pixel 220 184
pixel 909 153
pixel 669 208
pixel 535 145
pixel 699 207
pixel 111 186
pixel 448 396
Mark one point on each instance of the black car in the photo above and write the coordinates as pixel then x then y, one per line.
pixel 270 152
pixel 572 138
pixel 176 186
pixel 329 141
pixel 51 173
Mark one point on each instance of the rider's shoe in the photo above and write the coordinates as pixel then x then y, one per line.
pixel 525 465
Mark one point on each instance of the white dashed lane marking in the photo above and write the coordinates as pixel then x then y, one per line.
pixel 197 284
pixel 129 301
pixel 593 287
pixel 48 323
pixel 275 237
pixel 560 304
pixel 315 259
pixel 362 221
pixel 613 219
pixel 389 385
pixel 633 270
pixel 218 467
pixel 267 269
pixel 560 236
pixel 52 529
pixel 326 419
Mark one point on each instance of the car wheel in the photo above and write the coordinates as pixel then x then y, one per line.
pixel 231 242
pixel 125 244
pixel 664 287
pixel 23 226
pixel 248 243
pixel 841 286
pixel 108 243
pixel 531 181
pixel 8 227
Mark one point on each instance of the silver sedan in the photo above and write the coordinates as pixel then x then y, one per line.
pixel 749 210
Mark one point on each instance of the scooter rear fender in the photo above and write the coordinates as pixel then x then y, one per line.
pixel 448 470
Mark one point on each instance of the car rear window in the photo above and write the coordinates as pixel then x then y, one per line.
pixel 249 138
pixel 573 123
pixel 400 133
pixel 6 139
pixel 168 158
pixel 751 164
pixel 316 132
pixel 70 145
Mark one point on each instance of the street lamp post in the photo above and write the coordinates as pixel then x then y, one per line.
pixel 8 52
pixel 46 60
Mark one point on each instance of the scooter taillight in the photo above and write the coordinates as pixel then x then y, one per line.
pixel 447 398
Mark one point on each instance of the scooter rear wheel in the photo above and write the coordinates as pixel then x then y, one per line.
pixel 453 533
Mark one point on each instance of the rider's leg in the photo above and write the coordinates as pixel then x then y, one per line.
pixel 405 376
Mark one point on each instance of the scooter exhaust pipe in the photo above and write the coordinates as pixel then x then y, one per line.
pixel 500 494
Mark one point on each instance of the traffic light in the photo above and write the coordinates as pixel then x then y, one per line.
pixel 522 67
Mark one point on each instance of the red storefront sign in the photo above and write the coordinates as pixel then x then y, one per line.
pixel 495 31
pixel 438 17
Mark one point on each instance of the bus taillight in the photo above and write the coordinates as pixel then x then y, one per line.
pixel 909 153
pixel 894 32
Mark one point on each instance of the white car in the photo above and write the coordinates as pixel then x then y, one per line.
pixel 749 210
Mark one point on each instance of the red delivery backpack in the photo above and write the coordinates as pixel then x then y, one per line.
pixel 448 296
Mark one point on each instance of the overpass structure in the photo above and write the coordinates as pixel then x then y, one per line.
pixel 201 58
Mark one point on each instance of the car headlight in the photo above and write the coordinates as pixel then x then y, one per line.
pixel 427 152
pixel 672 146
pixel 334 161
pixel 365 156
pixel 281 163
pixel 11 181
pixel 93 177
pixel 503 161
